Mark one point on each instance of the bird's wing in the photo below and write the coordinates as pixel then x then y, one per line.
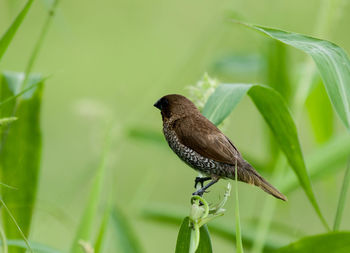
pixel 199 134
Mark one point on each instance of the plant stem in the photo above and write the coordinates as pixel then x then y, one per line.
pixel 342 198
pixel 269 207
pixel 39 43
pixel 239 245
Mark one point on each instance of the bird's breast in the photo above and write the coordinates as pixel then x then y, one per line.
pixel 194 159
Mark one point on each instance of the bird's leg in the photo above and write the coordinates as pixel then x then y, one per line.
pixel 202 190
pixel 200 180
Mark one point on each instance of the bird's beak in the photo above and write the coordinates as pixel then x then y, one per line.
pixel 157 104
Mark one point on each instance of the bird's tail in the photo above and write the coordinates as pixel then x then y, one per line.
pixel 249 175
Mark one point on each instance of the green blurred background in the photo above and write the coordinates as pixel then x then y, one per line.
pixel 109 61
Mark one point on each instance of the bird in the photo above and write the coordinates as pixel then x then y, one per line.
pixel 202 146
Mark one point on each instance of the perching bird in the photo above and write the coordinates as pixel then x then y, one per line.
pixel 201 145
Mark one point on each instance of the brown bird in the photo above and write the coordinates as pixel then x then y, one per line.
pixel 201 145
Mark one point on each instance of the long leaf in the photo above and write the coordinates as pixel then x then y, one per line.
pixel 338 242
pixel 331 60
pixel 276 114
pixel 11 31
pixel 184 238
pixel 20 151
pixel 277 77
pixel 126 239
pixel 342 198
pixel 98 247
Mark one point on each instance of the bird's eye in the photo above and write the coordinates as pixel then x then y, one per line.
pixel 162 103
pixel 165 102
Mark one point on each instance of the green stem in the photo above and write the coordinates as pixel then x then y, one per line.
pixel 39 43
pixel 239 244
pixel 342 198
pixel 268 208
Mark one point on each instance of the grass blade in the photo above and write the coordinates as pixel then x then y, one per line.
pixel 342 198
pixel 98 247
pixel 126 239
pixel 338 242
pixel 39 42
pixel 11 31
pixel 331 60
pixel 274 110
pixel 86 223
pixel 20 152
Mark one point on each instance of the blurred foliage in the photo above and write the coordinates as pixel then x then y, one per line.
pixel 128 54
pixel 320 112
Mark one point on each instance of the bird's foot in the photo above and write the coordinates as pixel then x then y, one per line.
pixel 200 180
pixel 200 192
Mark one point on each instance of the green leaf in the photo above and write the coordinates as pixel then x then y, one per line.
pixel 277 77
pixel 126 239
pixel 35 82
pixel 331 60
pixel 86 223
pixel 20 152
pixel 278 66
pixel 98 247
pixel 342 198
pixel 320 112
pixel 11 31
pixel 184 238
pixel 37 247
pixel 276 114
pixel 338 242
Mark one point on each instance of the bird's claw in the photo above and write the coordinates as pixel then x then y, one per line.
pixel 200 192
pixel 200 180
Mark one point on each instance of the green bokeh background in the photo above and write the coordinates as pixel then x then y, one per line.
pixel 111 60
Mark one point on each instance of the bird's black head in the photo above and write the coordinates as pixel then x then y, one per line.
pixel 162 103
pixel 175 105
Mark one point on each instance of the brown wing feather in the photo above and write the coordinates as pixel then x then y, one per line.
pixel 199 134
